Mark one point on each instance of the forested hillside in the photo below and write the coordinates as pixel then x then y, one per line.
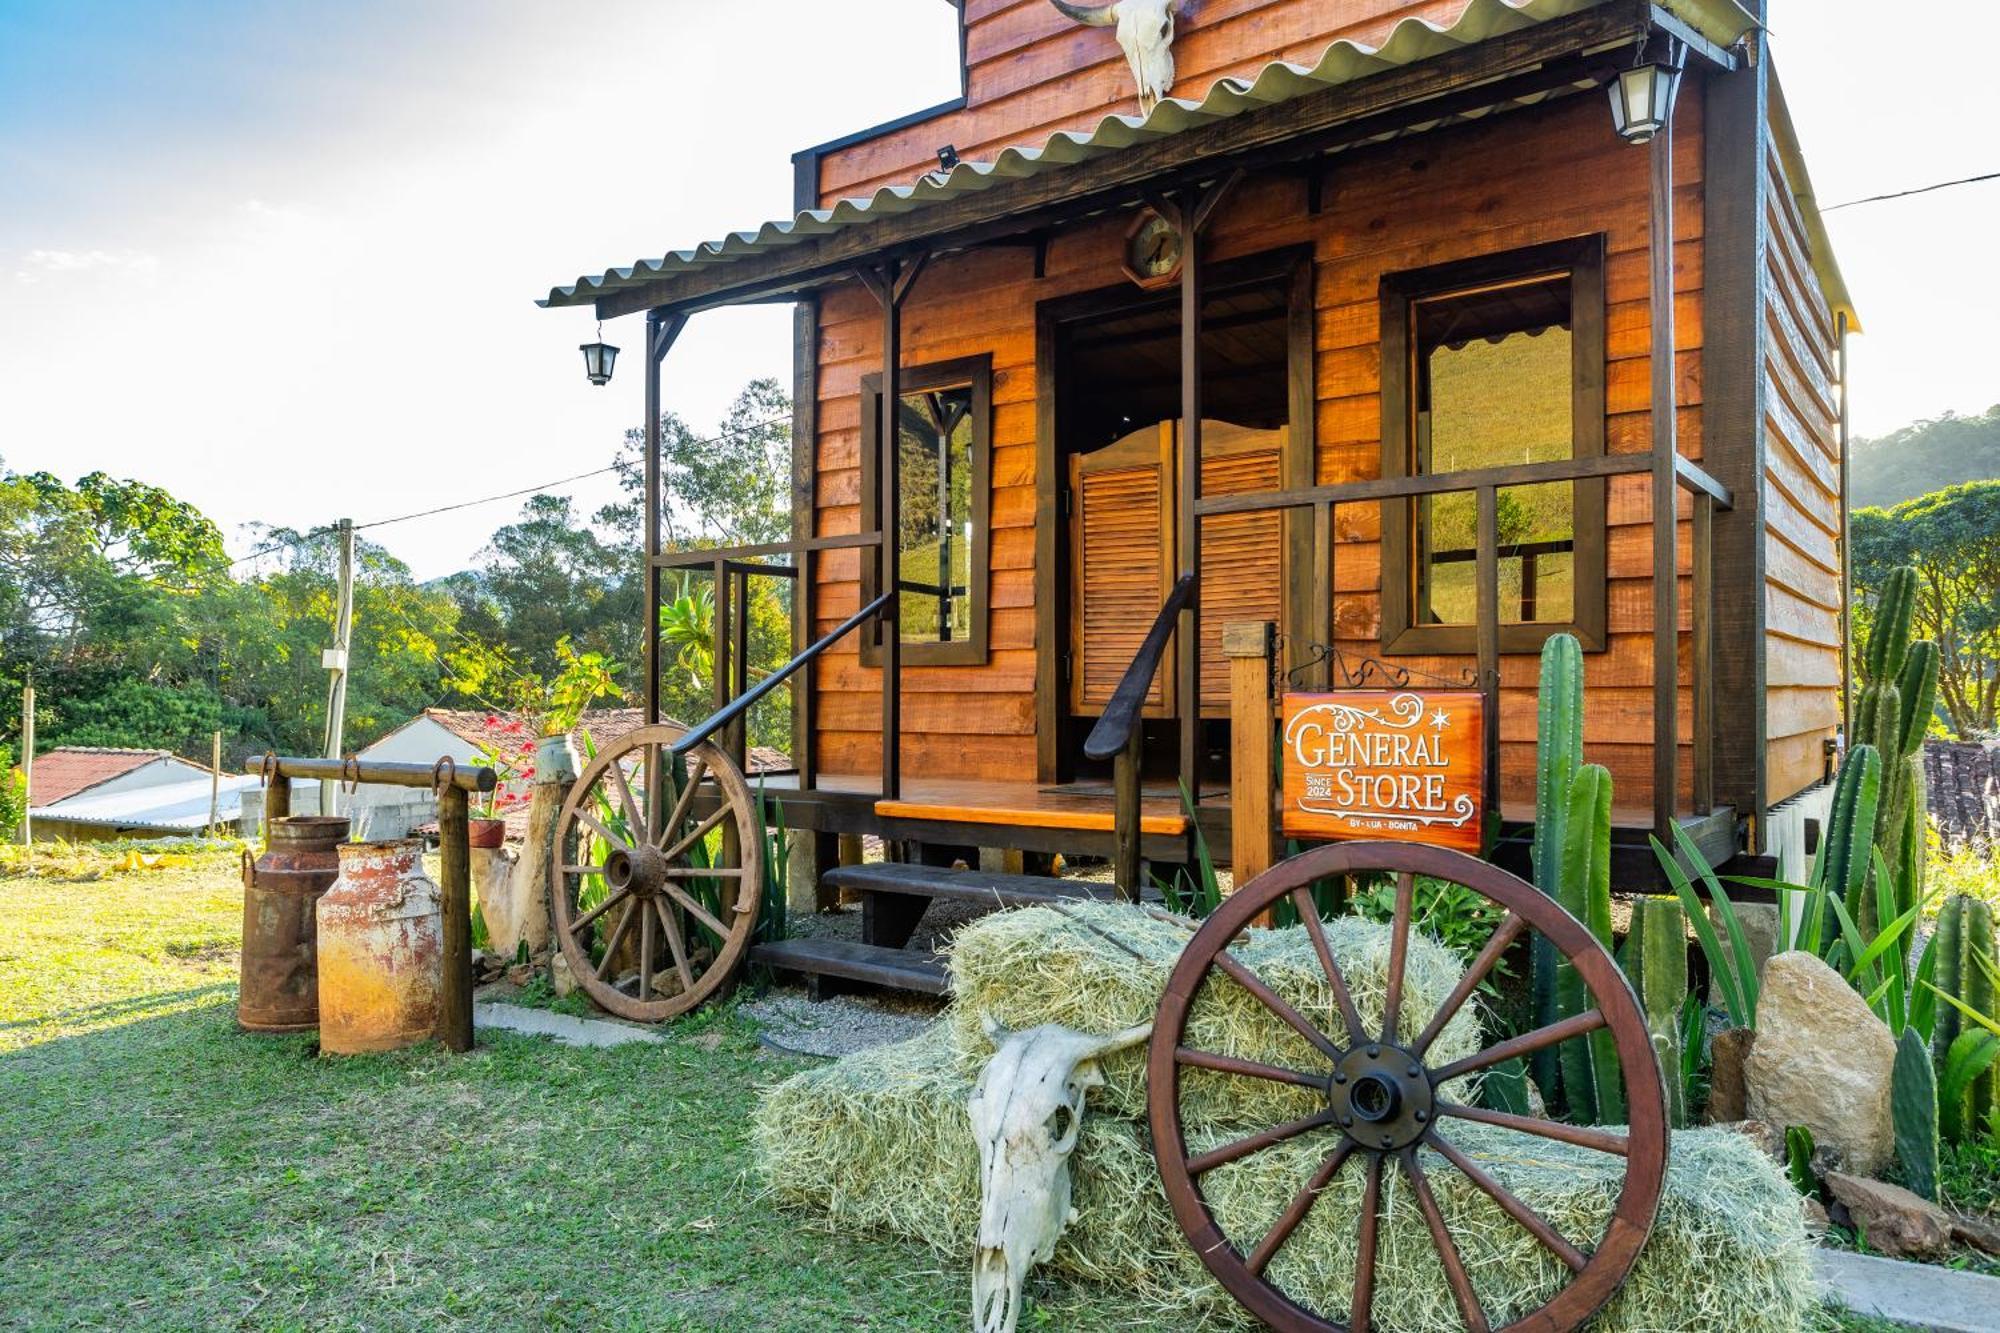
pixel 1926 456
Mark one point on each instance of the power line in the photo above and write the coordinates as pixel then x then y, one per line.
pixel 1922 189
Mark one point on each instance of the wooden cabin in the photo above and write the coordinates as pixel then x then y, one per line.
pixel 1378 331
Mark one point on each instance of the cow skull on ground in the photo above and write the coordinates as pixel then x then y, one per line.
pixel 1146 32
pixel 1026 1112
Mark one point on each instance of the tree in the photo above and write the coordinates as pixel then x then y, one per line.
pixel 1952 537
pixel 548 577
pixel 1926 456
pixel 730 488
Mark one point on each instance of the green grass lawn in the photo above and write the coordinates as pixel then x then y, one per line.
pixel 160 1170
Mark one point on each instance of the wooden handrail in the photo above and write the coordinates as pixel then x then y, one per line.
pixel 741 705
pixel 1114 729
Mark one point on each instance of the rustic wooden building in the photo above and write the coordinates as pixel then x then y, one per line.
pixel 1377 329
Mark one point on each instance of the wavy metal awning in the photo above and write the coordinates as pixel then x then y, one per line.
pixel 1722 22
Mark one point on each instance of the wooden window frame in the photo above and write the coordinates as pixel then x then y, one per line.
pixel 1583 260
pixel 978 372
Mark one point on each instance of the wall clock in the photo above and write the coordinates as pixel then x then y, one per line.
pixel 1153 251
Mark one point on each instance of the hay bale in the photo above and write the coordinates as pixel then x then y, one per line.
pixel 1100 967
pixel 881 1142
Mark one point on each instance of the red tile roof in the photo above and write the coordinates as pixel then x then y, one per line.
pixel 61 774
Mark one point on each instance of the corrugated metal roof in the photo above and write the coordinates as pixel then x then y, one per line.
pixel 1411 40
pixel 169 807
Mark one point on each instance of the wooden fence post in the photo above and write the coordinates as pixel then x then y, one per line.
pixel 455 1012
pixel 1252 824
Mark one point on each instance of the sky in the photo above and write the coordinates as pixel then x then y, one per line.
pixel 280 256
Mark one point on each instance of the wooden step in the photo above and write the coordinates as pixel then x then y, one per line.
pixel 978 886
pixel 893 969
pixel 1156 818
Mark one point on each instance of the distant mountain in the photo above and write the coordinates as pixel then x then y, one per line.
pixel 1925 456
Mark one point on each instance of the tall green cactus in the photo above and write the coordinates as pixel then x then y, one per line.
pixel 1558 756
pixel 1590 1080
pixel 1898 695
pixel 1964 938
pixel 1845 849
pixel 1659 971
pixel 1913 1104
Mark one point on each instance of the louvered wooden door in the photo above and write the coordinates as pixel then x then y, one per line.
pixel 1125 553
pixel 1121 563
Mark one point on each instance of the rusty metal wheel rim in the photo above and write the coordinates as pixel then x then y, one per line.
pixel 1397 1094
pixel 648 879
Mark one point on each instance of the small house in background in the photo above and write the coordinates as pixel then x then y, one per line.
pixel 394 812
pixel 84 793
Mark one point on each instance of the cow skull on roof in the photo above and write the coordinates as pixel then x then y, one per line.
pixel 1146 31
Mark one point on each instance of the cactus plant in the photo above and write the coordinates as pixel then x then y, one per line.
pixel 1898 694
pixel 1965 942
pixel 1590 1078
pixel 1845 854
pixel 1658 947
pixel 1913 1103
pixel 1558 755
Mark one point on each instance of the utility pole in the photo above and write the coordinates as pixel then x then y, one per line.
pixel 215 784
pixel 28 760
pixel 334 660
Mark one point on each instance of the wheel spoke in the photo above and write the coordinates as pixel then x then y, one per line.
pixel 698 872
pixel 617 938
pixel 583 923
pixel 1277 1004
pixel 696 910
pixel 684 801
pixel 583 870
pixel 1309 914
pixel 1361 1309
pixel 1447 1249
pixel 645 954
pixel 1537 1225
pixel 591 822
pixel 1230 1152
pixel 1503 940
pixel 701 830
pixel 1525 1044
pixel 1399 954
pixel 616 772
pixel 1301 1204
pixel 676 944
pixel 1229 1064
pixel 1597 1139
pixel 656 786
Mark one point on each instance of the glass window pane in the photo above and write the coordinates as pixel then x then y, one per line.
pixel 935 442
pixel 1495 385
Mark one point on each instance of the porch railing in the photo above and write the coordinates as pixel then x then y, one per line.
pixel 1120 735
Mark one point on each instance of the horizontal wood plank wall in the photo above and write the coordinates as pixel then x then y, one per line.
pixel 1802 496
pixel 1032 72
pixel 1516 180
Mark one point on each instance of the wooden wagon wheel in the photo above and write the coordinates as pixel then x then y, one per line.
pixel 658 875
pixel 1384 1101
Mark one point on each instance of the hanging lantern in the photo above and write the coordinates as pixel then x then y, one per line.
pixel 1642 98
pixel 598 359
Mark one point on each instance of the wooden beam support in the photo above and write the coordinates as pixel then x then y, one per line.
pixel 1666 492
pixel 891 282
pixel 663 329
pixel 1187 660
pixel 454 1030
pixel 1253 822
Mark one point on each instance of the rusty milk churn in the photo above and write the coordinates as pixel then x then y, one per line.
pixel 280 986
pixel 381 951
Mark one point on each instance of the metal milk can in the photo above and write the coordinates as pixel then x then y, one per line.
pixel 279 991
pixel 381 951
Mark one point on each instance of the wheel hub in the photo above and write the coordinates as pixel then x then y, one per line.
pixel 1382 1097
pixel 640 870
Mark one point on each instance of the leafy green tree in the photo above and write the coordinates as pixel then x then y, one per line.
pixel 731 487
pixel 1926 456
pixel 1952 537
pixel 548 577
pixel 13 795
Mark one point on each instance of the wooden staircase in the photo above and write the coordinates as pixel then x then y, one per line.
pixel 894 898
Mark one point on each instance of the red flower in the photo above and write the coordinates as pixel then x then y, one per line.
pixel 492 721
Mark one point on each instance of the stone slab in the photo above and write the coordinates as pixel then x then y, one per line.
pixel 1920 1295
pixel 565 1028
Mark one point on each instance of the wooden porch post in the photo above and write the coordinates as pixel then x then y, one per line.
pixel 1188 659
pixel 663 328
pixel 1666 531
pixel 1252 822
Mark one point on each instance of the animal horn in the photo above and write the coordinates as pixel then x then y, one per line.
pixel 1095 16
pixel 1123 1041
pixel 996 1031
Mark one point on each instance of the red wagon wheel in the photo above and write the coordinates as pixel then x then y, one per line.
pixel 659 872
pixel 1386 1101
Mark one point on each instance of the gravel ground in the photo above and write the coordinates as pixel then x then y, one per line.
pixel 842 1024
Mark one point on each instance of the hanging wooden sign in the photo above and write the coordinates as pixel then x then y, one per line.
pixel 1408 766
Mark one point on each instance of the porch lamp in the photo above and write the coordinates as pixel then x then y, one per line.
pixel 1642 98
pixel 598 359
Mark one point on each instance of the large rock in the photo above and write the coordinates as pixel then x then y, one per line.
pixel 1890 1219
pixel 1728 1101
pixel 1822 1060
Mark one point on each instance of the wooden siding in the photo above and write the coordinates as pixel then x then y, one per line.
pixel 1521 179
pixel 1030 72
pixel 1802 503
